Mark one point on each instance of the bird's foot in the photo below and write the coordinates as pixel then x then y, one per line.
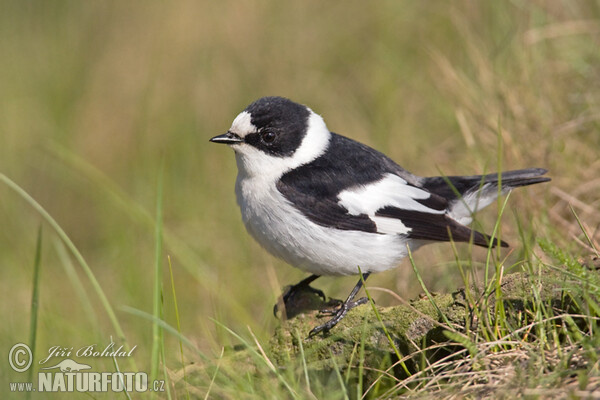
pixel 338 314
pixel 340 304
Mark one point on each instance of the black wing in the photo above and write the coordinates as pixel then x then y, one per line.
pixel 438 227
pixel 314 188
pixel 325 211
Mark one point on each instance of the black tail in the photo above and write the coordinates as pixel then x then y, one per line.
pixel 450 187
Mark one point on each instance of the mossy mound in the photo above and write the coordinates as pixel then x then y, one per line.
pixel 410 327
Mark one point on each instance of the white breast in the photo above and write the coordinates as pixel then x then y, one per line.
pixel 286 233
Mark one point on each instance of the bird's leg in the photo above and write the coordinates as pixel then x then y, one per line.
pixel 302 285
pixel 344 308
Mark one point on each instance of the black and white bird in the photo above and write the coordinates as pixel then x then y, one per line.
pixel 328 205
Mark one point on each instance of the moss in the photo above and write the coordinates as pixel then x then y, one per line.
pixel 408 325
pixel 411 326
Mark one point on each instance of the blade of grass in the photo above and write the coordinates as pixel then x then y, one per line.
pixel 265 360
pixel 78 256
pixel 351 362
pixel 499 169
pixel 468 288
pixel 427 293
pixel 385 331
pixel 361 358
pixel 164 364
pixel 499 306
pixel 463 341
pixel 82 294
pixel 166 327
pixel 336 368
pixel 496 284
pixel 193 264
pixel 585 232
pixel 33 315
pixel 157 311
pixel 302 356
pixel 212 381
pixel 120 377
pixel 475 223
pixel 185 383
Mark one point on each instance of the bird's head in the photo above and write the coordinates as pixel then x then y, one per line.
pixel 274 135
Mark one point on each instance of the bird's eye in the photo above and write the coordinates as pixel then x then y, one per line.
pixel 268 136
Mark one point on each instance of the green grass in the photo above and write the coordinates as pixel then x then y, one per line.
pixel 95 95
pixel 35 293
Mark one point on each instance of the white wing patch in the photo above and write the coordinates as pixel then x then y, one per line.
pixel 390 225
pixel 391 191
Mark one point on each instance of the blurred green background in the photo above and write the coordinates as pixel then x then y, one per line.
pixel 95 96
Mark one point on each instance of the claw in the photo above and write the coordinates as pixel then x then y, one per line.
pixel 342 310
pixel 337 315
pixel 331 311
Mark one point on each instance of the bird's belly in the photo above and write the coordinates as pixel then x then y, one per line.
pixel 286 233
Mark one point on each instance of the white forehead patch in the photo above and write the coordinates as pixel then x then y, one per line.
pixel 242 124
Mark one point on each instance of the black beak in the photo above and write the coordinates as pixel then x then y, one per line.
pixel 227 138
